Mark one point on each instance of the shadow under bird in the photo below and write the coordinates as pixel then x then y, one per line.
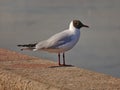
pixel 60 42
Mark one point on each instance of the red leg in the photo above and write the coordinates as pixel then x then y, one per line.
pixel 63 59
pixel 59 59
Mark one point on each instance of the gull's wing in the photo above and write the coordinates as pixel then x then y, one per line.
pixel 55 41
pixel 61 41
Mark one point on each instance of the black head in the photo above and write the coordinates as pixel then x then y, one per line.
pixel 77 24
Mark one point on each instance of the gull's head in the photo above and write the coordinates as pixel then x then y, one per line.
pixel 77 24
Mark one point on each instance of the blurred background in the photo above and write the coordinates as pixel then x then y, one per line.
pixel 29 21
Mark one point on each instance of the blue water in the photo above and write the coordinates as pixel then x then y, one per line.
pixel 29 21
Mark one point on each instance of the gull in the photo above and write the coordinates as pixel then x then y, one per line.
pixel 60 42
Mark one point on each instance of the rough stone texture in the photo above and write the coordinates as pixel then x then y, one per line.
pixel 22 72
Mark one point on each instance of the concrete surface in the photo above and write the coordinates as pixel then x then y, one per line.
pixel 22 72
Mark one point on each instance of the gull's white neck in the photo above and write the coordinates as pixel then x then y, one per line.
pixel 75 31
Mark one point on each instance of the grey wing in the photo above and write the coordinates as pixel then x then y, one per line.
pixel 61 41
pixel 56 41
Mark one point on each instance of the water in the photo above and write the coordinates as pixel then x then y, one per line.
pixel 29 21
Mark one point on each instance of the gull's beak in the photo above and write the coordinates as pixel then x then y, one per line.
pixel 85 26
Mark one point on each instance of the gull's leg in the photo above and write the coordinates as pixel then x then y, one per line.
pixel 59 59
pixel 63 59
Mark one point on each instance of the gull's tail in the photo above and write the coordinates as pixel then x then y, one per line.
pixel 27 46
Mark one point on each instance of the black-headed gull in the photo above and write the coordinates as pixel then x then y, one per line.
pixel 60 42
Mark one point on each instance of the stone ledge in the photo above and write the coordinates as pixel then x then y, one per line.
pixel 11 81
pixel 22 72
